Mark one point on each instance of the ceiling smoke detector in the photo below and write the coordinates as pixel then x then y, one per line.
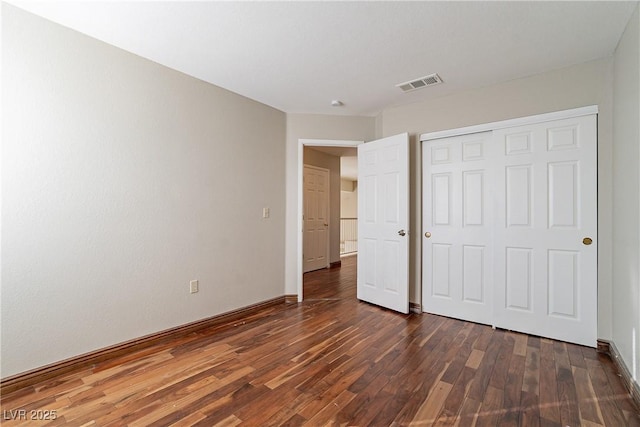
pixel 430 80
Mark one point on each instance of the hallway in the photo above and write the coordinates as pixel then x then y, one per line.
pixel 332 283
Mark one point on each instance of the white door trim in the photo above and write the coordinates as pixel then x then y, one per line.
pixel 520 121
pixel 299 242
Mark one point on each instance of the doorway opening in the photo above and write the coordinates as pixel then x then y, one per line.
pixel 321 282
pixel 332 283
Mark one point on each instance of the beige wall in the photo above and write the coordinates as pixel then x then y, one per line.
pixel 121 181
pixel 626 197
pixel 577 86
pixel 312 126
pixel 324 160
pixel 349 199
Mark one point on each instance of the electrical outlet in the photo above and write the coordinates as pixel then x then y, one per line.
pixel 193 286
pixel 265 213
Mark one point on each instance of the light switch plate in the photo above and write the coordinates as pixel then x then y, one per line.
pixel 193 286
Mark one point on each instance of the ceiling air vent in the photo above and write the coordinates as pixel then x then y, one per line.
pixel 430 80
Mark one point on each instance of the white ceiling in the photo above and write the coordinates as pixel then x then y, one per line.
pixel 298 56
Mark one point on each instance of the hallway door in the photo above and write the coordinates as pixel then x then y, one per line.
pixel 316 218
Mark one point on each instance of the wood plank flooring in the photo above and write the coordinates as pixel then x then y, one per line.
pixel 335 361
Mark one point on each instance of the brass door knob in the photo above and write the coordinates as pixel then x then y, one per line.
pixel 427 234
pixel 587 241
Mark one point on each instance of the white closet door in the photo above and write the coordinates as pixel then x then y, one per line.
pixel 546 231
pixel 457 227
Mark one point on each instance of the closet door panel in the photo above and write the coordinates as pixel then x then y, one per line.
pixel 548 207
pixel 457 257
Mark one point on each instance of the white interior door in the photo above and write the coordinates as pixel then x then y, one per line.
pixel 383 220
pixel 546 230
pixel 316 218
pixel 457 225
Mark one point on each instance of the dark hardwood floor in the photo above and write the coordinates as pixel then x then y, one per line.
pixel 332 360
pixel 332 283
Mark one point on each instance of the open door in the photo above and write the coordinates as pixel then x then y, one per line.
pixel 383 221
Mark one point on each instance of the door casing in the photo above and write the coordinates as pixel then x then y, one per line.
pixel 301 144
